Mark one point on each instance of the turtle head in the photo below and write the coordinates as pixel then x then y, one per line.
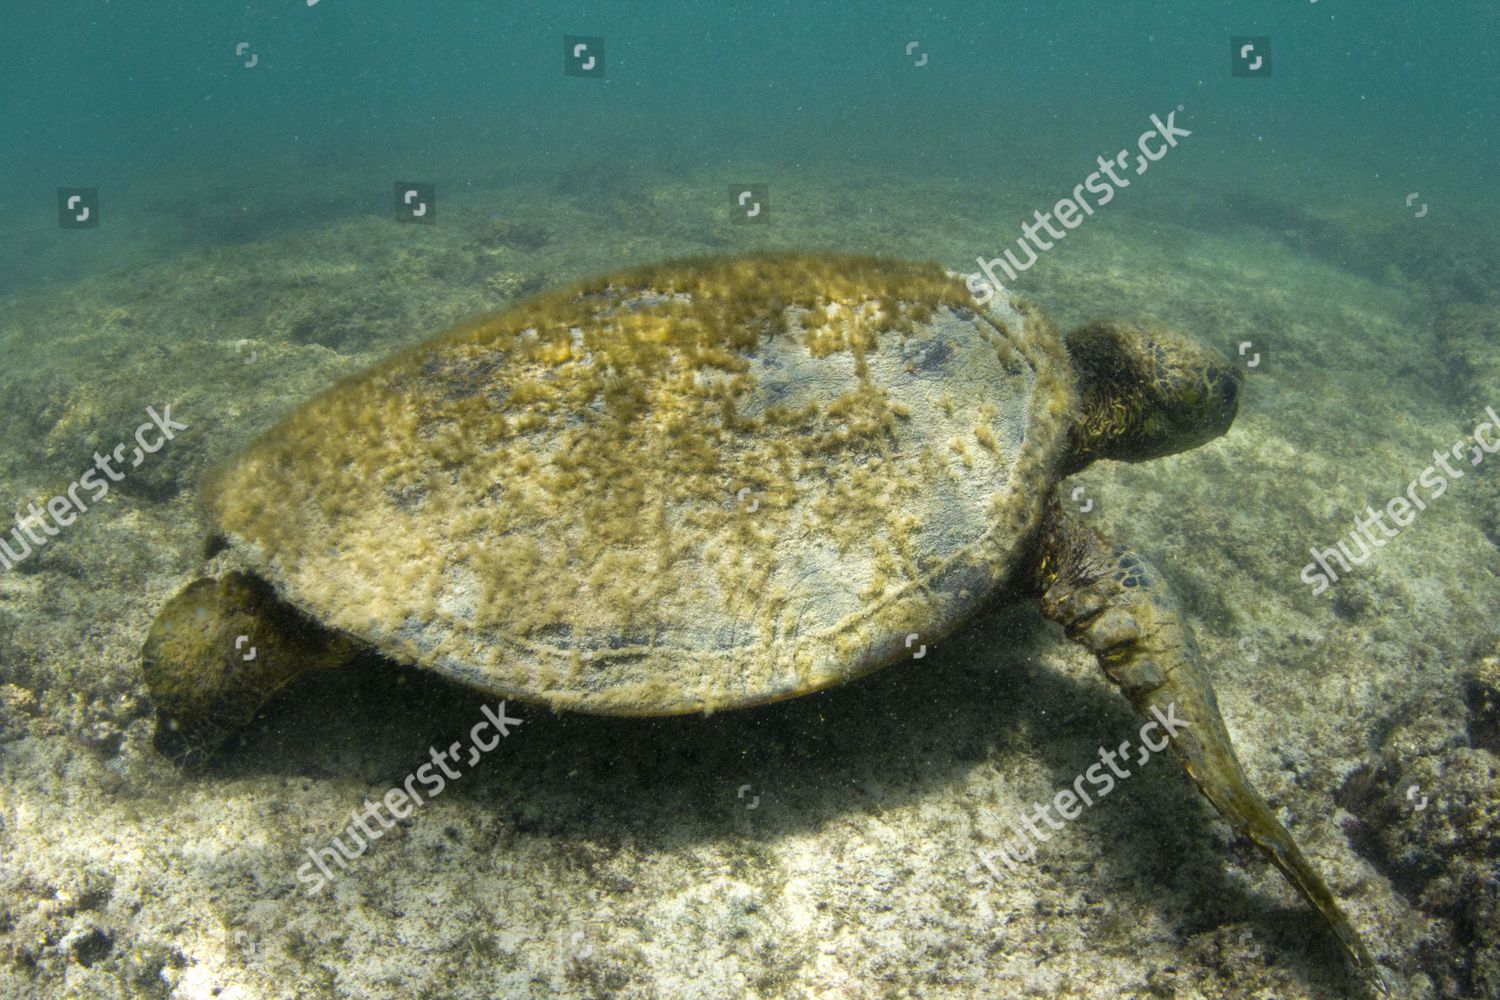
pixel 1146 391
pixel 217 651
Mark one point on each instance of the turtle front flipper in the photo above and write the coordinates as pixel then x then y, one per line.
pixel 218 651
pixel 1115 603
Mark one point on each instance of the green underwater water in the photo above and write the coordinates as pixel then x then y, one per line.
pixel 1329 212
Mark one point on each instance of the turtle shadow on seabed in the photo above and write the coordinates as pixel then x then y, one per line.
pixel 887 741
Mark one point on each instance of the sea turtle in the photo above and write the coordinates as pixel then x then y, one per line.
pixel 704 485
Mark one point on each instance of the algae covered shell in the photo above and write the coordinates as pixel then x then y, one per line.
pixel 689 487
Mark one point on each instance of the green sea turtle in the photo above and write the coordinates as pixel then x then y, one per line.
pixel 706 485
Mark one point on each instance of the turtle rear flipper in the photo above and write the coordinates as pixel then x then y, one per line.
pixel 1116 603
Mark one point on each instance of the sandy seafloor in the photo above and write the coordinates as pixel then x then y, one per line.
pixel 612 858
